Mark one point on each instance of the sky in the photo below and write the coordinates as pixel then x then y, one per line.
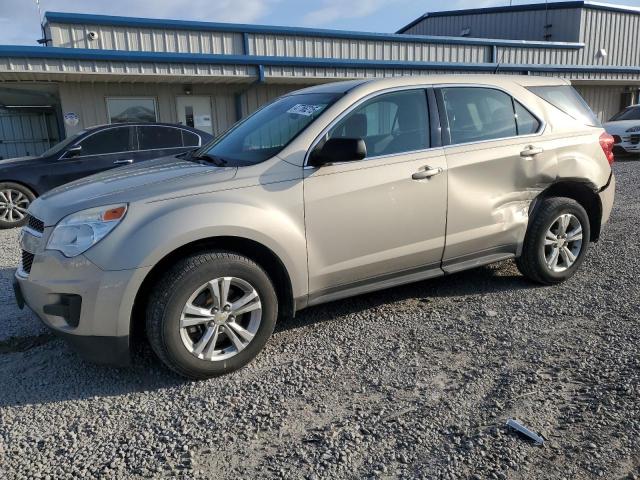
pixel 19 20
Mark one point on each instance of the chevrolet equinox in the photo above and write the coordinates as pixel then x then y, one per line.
pixel 325 193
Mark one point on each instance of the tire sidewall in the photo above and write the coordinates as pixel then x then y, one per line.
pixel 550 217
pixel 25 191
pixel 185 287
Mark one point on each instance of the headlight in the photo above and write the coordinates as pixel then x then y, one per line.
pixel 78 232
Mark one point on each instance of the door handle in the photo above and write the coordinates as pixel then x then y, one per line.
pixel 123 162
pixel 531 151
pixel 428 172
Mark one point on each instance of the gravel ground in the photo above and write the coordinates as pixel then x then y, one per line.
pixel 416 381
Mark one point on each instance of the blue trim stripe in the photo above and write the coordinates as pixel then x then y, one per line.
pixel 525 8
pixel 13 51
pixel 85 19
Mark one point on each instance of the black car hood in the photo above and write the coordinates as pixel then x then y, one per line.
pixel 10 162
pixel 137 182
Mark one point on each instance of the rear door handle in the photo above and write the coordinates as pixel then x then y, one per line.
pixel 428 172
pixel 531 151
pixel 123 162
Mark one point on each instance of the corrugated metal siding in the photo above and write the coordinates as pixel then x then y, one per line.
pixel 24 133
pixel 616 32
pixel 124 68
pixel 526 25
pixel 88 100
pixel 540 56
pixel 146 39
pixel 603 100
pixel 317 47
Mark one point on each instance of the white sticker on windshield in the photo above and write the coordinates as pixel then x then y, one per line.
pixel 306 110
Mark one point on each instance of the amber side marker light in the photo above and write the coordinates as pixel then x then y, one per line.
pixel 114 214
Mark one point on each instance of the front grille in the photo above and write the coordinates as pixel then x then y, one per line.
pixel 27 261
pixel 34 224
pixel 635 139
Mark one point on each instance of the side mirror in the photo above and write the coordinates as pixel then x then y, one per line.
pixel 73 151
pixel 336 150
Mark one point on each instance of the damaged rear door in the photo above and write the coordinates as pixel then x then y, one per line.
pixel 498 161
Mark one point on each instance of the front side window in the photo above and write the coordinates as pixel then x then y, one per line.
pixel 112 140
pixel 476 114
pixel 190 139
pixel 629 113
pixel 389 123
pixel 153 137
pixel 267 131
pixel 131 109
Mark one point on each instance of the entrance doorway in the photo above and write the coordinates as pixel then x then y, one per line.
pixel 195 111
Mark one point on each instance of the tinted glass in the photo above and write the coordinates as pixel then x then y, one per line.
pixel 107 141
pixel 266 132
pixel 152 138
pixel 527 123
pixel 190 139
pixel 565 98
pixel 390 123
pixel 58 147
pixel 630 113
pixel 477 114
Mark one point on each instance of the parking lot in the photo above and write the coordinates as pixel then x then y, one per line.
pixel 416 381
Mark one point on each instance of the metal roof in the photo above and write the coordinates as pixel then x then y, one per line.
pixel 526 7
pixel 88 19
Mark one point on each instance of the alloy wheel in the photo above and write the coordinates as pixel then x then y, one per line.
pixel 220 319
pixel 563 242
pixel 13 205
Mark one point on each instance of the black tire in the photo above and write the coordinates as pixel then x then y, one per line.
pixel 532 263
pixel 7 188
pixel 172 292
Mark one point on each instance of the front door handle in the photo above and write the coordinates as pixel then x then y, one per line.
pixel 531 151
pixel 123 162
pixel 428 172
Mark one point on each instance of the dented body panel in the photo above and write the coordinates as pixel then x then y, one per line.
pixel 339 229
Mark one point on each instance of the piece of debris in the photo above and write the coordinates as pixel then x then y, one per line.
pixel 525 431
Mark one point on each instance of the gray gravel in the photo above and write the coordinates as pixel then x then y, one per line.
pixel 416 381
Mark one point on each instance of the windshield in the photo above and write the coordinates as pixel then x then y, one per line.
pixel 629 113
pixel 58 147
pixel 266 132
pixel 567 99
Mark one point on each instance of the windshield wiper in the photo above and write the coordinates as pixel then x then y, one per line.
pixel 217 161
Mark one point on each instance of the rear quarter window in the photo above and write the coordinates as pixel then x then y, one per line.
pixel 568 100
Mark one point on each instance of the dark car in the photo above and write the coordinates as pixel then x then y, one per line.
pixel 90 151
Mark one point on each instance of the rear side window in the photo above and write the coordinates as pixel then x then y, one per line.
pixel 527 124
pixel 152 138
pixel 476 114
pixel 190 139
pixel 112 140
pixel 389 123
pixel 568 100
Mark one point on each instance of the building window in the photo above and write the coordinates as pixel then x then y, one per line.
pixel 131 109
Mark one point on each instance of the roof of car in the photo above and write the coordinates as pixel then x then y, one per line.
pixel 382 83
pixel 145 124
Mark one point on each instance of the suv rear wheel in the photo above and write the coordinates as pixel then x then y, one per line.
pixel 14 203
pixel 211 314
pixel 556 241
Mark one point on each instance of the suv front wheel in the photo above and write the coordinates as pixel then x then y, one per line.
pixel 556 241
pixel 211 314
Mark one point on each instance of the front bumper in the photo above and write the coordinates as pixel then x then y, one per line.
pixel 90 308
pixel 626 147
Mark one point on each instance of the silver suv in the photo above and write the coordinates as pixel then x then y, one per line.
pixel 325 193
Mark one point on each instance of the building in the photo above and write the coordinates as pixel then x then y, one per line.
pixel 96 69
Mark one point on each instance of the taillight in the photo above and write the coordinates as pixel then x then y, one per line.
pixel 606 142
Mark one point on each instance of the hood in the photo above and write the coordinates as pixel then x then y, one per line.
pixel 619 128
pixel 138 182
pixel 8 162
